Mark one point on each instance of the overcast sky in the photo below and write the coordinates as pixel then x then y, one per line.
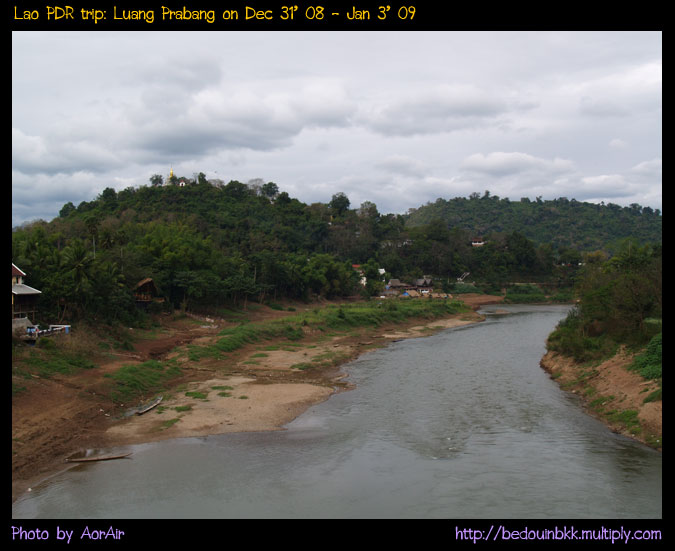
pixel 398 119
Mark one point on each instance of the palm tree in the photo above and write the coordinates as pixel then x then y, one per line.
pixel 92 223
pixel 78 264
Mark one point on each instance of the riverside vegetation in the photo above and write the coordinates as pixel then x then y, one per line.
pixel 619 315
pixel 223 250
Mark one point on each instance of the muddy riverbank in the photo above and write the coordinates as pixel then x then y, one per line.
pixel 258 390
pixel 613 394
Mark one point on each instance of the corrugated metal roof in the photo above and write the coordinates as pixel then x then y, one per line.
pixel 16 271
pixel 21 289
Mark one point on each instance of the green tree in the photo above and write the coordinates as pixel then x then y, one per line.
pixel 108 199
pixel 374 283
pixel 618 295
pixel 339 204
pixel 270 190
pixel 78 266
pixel 67 209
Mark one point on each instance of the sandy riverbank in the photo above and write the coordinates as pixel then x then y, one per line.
pixel 267 394
pixel 258 391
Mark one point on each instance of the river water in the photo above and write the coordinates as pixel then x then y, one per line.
pixel 461 424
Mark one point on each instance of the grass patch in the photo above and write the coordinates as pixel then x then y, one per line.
pixel 585 375
pixel 183 408
pixel 196 352
pixel 169 423
pixel 222 387
pixel 333 318
pixel 654 396
pixel 134 381
pixel 628 418
pixel 51 359
pixel 600 402
pixel 17 389
pixel 197 395
pixel 225 394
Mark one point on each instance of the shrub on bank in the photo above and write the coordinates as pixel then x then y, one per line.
pixel 649 363
pixel 461 288
pixel 569 339
pixel 524 294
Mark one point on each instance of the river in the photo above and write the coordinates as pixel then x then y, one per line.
pixel 461 424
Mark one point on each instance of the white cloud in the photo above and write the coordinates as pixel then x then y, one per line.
pixel 259 116
pixel 504 164
pixel 652 168
pixel 60 153
pixel 395 118
pixel 617 143
pixel 445 108
pixel 601 108
pixel 622 92
pixel 403 165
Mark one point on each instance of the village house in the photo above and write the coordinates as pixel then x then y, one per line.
pixel 424 284
pixel 24 302
pixel 421 287
pixel 24 298
pixel 398 285
pixel 395 287
pixel 145 292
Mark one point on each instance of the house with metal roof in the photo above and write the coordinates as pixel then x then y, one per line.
pixel 24 297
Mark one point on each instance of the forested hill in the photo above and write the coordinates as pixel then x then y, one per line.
pixel 560 222
pixel 206 245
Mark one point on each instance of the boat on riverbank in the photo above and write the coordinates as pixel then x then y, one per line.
pixel 97 458
pixel 151 405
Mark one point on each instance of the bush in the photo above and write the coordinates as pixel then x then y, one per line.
pixel 563 296
pixel 569 339
pixel 649 363
pixel 460 288
pixel 525 293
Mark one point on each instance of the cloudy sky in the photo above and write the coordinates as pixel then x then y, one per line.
pixel 395 118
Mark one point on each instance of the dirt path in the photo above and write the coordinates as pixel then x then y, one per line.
pixel 261 387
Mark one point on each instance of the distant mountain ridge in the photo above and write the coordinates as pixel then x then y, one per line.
pixel 561 222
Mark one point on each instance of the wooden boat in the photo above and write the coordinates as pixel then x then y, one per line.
pixel 147 408
pixel 97 458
